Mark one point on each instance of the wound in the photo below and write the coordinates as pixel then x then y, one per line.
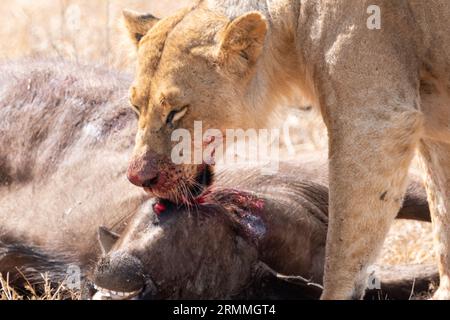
pixel 383 196
pixel 159 208
pixel 244 210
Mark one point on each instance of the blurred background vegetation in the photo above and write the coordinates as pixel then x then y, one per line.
pixel 78 30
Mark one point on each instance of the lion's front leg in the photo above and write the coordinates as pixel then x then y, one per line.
pixel 370 152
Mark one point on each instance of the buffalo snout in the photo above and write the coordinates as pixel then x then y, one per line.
pixel 119 275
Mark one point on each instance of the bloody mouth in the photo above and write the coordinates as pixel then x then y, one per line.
pixel 202 181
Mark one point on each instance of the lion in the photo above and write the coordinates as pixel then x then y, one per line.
pixel 383 93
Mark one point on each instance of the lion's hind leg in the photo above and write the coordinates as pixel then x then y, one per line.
pixel 436 159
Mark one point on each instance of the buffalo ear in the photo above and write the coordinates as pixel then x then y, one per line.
pixel 243 40
pixel 106 239
pixel 138 24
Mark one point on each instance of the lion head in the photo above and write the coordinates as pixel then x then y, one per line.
pixel 193 66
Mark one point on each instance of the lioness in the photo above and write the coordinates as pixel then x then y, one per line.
pixel 383 93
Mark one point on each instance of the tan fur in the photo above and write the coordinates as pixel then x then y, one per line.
pixel 381 92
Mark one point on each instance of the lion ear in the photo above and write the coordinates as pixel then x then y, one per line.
pixel 243 39
pixel 138 24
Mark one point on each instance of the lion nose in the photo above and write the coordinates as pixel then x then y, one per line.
pixel 143 180
pixel 143 171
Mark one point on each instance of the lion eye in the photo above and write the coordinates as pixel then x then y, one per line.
pixel 135 108
pixel 176 115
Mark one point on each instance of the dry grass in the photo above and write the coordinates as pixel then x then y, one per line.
pixel 408 242
pixel 44 291
pixel 79 30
